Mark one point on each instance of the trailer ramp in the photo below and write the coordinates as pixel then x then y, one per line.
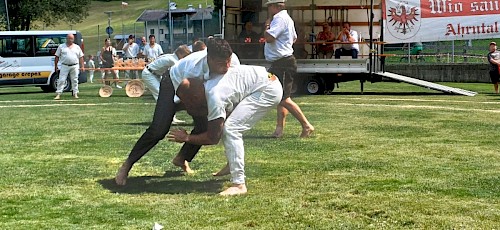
pixel 425 84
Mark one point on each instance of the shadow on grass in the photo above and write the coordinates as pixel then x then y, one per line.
pixel 169 183
pixel 395 93
pixel 148 123
pixel 260 137
pixel 21 92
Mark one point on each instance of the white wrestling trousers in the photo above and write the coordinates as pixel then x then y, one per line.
pixel 152 82
pixel 65 72
pixel 246 114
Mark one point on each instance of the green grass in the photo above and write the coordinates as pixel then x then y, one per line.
pixel 129 15
pixel 397 157
pixel 442 51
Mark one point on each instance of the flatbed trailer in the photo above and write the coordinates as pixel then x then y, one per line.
pixel 321 76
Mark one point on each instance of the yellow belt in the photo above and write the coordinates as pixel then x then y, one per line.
pixel 271 77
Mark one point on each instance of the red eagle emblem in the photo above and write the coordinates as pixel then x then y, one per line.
pixel 402 19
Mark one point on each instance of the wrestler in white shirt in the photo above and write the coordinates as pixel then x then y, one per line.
pixel 235 102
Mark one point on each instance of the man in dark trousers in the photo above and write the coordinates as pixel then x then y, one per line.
pixel 202 65
pixel 494 59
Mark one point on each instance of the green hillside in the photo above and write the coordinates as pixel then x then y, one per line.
pixel 89 26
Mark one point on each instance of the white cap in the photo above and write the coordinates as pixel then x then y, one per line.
pixel 274 2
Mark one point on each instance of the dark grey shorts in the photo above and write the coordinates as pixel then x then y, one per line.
pixel 285 69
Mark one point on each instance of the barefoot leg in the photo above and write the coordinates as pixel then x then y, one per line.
pixel 224 171
pixel 307 131
pixel 235 189
pixel 183 164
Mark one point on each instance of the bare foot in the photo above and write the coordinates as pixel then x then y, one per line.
pixel 224 171
pixel 121 176
pixel 235 189
pixel 278 132
pixel 307 132
pixel 183 164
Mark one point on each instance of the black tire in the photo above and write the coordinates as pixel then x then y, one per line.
pixel 52 87
pixel 315 87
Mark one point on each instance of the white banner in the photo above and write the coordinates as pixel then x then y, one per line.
pixel 440 20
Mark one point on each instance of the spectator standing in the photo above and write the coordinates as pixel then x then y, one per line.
pixel 142 45
pixel 152 50
pixel 280 35
pixel 108 56
pixel 71 57
pixel 131 50
pixel 494 60
pixel 91 66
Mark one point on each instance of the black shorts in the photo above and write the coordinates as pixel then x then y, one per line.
pixel 285 69
pixel 495 77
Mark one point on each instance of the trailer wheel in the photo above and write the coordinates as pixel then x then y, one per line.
pixel 315 87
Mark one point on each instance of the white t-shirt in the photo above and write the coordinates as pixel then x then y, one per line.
pixel 353 34
pixel 91 64
pixel 69 55
pixel 283 29
pixel 194 65
pixel 163 63
pixel 131 51
pixel 225 92
pixel 153 52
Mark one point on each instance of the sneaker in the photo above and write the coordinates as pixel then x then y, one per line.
pixel 119 87
pixel 76 96
pixel 177 121
pixel 58 97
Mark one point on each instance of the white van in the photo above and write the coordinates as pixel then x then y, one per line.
pixel 27 58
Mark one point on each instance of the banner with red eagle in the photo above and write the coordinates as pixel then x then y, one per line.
pixel 440 20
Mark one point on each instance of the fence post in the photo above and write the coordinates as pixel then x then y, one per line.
pixel 438 51
pixel 465 52
pixel 453 51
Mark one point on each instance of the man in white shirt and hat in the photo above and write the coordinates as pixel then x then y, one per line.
pixel 236 101
pixel 280 35
pixel 70 55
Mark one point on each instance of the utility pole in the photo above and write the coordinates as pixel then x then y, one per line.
pixel 170 25
pixel 109 30
pixel 7 16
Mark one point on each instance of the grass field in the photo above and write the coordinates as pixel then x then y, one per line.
pixel 397 157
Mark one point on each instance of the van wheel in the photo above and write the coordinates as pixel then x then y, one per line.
pixel 52 87
pixel 315 87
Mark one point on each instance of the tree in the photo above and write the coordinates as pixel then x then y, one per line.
pixel 23 13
